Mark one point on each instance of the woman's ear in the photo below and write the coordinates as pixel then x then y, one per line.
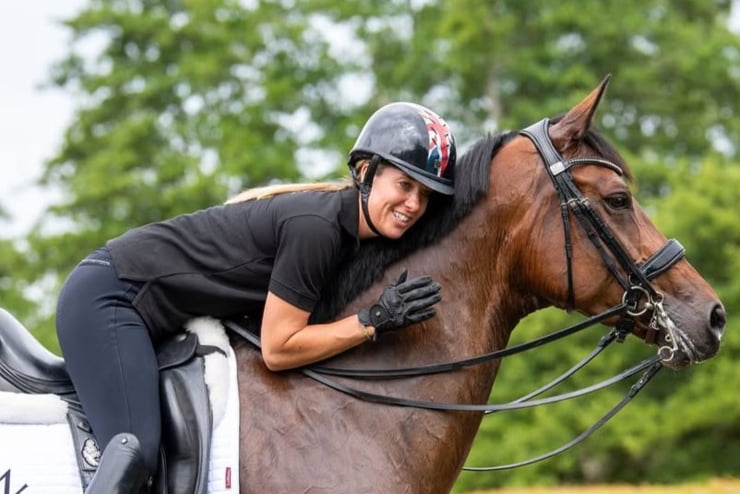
pixel 362 169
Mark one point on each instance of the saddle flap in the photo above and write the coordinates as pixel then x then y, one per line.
pixel 186 428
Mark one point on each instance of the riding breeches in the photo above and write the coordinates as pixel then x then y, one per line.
pixel 109 354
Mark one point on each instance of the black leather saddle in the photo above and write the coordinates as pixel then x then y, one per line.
pixel 27 367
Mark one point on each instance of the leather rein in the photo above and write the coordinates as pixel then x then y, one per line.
pixel 636 284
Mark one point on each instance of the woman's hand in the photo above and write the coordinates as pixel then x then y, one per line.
pixel 402 303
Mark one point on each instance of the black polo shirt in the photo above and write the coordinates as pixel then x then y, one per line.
pixel 222 261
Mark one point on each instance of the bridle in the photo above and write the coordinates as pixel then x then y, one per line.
pixel 636 284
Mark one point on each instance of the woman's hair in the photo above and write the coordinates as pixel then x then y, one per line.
pixel 273 190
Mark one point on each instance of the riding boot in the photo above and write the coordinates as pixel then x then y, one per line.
pixel 121 469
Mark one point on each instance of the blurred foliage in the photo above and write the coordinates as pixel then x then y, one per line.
pixel 181 103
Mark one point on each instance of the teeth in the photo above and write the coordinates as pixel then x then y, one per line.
pixel 401 217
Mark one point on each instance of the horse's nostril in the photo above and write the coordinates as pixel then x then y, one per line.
pixel 718 319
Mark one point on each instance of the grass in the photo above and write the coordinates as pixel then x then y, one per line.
pixel 714 486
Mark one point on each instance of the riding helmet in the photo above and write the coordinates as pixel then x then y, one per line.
pixel 412 138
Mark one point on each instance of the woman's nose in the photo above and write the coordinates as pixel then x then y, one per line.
pixel 413 201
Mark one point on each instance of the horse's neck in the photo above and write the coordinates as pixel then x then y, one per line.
pixel 479 308
pixel 478 311
pixel 476 316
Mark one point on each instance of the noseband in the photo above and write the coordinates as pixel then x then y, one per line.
pixel 636 283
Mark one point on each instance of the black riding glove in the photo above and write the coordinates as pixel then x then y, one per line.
pixel 402 303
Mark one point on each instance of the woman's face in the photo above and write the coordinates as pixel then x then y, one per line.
pixel 396 202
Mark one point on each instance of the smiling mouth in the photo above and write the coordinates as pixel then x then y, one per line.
pixel 401 217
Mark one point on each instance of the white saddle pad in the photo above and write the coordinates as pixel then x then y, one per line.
pixel 37 453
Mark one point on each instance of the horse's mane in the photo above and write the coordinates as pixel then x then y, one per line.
pixel 366 266
pixel 443 213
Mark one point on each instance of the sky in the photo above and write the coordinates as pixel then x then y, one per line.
pixel 32 120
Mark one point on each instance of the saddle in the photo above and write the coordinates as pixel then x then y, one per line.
pixel 27 367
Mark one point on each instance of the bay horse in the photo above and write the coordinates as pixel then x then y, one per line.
pixel 509 243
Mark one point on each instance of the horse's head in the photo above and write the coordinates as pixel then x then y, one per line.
pixel 588 245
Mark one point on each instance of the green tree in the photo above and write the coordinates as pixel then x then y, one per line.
pixel 184 102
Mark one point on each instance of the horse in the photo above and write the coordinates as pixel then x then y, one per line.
pixel 543 217
pixel 504 249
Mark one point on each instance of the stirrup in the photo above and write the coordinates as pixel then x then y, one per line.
pixel 121 470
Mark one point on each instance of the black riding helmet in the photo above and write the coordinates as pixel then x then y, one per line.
pixel 412 138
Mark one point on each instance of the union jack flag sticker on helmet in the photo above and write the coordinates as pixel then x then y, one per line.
pixel 440 142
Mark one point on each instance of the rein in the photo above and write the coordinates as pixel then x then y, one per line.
pixel 650 367
pixel 636 285
pixel 520 403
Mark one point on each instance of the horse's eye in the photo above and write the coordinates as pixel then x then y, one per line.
pixel 619 201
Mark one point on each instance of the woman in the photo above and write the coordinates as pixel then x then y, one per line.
pixel 267 255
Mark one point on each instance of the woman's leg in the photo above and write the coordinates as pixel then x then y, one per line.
pixel 109 355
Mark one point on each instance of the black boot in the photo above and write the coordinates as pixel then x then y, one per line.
pixel 121 470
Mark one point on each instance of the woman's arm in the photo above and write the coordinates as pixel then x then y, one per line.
pixel 288 341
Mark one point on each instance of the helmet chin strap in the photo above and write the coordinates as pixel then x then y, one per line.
pixel 365 186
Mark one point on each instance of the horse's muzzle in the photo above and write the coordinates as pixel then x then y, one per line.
pixel 679 349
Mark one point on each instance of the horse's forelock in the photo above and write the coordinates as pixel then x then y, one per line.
pixel 598 143
pixel 364 268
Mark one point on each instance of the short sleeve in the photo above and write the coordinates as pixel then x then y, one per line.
pixel 308 247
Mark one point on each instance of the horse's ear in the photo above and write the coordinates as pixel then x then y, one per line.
pixel 577 121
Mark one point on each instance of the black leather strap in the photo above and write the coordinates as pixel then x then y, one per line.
pixel 662 260
pixel 537 132
pixel 366 186
pixel 426 370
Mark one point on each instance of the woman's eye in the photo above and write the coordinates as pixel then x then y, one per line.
pixel 619 201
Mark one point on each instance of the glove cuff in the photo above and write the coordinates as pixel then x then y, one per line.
pixel 378 316
pixel 364 320
pixel 364 317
